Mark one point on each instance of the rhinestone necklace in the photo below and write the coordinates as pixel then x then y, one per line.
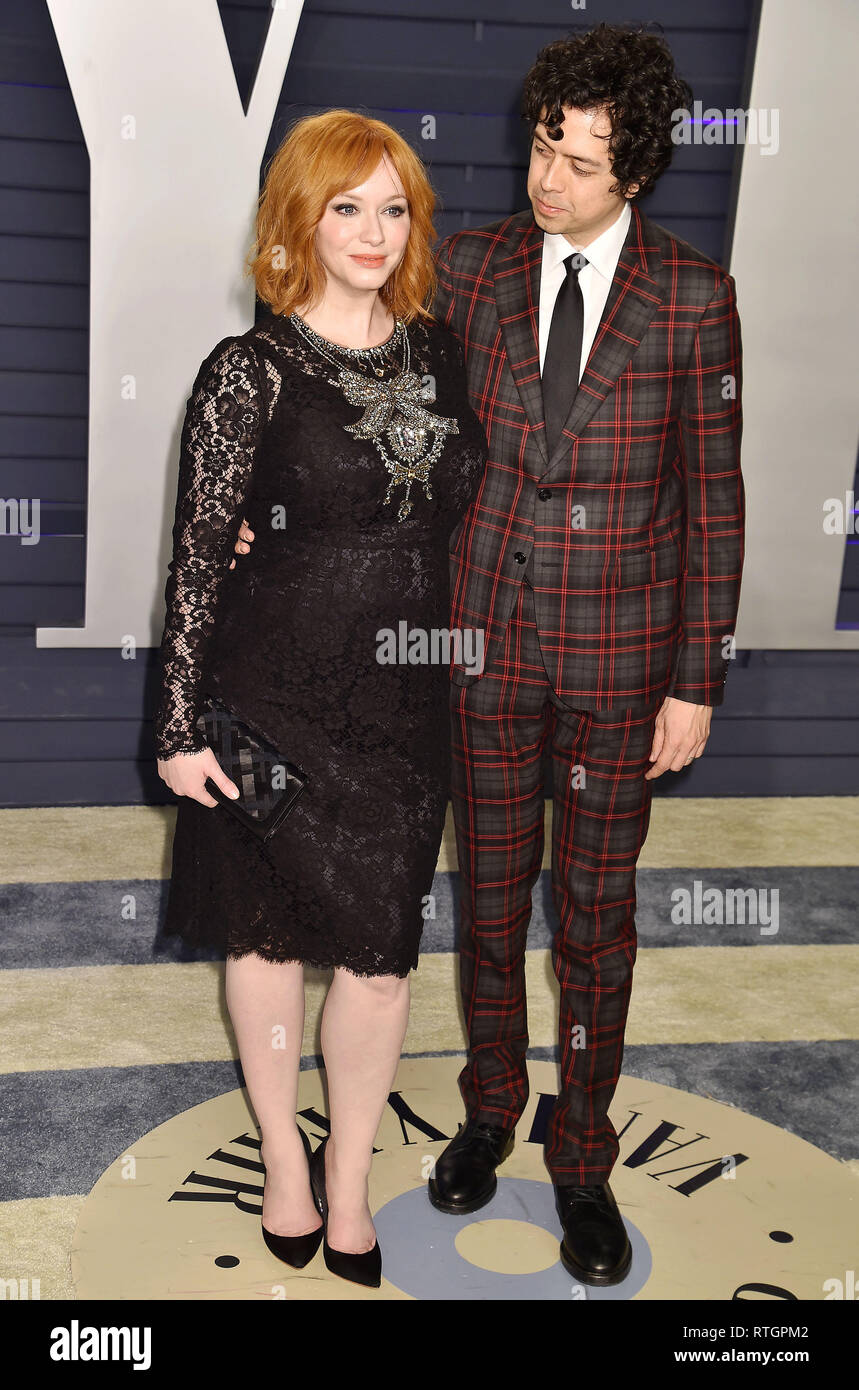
pixel 392 409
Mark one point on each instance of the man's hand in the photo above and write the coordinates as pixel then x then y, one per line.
pixel 679 736
pixel 245 534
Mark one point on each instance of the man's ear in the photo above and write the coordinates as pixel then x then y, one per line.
pixel 633 189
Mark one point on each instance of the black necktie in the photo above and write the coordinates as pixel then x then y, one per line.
pixel 563 351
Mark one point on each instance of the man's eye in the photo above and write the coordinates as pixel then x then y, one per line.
pixel 585 173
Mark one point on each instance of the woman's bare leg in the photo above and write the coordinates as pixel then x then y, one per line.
pixel 363 1026
pixel 266 1004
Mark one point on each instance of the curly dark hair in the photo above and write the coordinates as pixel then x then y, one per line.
pixel 625 71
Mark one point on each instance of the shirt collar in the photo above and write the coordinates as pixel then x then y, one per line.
pixel 603 253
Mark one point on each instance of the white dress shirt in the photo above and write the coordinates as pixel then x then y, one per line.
pixel 595 279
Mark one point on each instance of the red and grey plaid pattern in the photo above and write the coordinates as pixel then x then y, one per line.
pixel 501 724
pixel 632 532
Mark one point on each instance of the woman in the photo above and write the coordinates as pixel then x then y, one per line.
pixel 340 427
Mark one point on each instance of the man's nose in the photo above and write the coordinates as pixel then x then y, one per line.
pixel 552 179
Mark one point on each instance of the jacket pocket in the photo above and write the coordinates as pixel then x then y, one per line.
pixel 654 564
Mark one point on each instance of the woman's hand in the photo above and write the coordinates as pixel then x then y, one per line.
pixel 186 773
pixel 245 535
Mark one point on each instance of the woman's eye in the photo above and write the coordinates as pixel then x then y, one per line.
pixel 397 211
pixel 344 207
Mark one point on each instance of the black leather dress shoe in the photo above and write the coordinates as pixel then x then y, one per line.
pixel 595 1248
pixel 464 1177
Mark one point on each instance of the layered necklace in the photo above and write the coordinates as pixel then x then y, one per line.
pixel 393 409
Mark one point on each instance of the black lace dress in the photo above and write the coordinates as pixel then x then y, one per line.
pixel 291 638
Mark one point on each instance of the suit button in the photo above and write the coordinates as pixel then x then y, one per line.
pixel 520 558
pixel 544 494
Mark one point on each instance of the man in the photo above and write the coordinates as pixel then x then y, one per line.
pixel 601 559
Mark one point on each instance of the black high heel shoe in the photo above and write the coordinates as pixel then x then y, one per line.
pixel 296 1250
pixel 363 1268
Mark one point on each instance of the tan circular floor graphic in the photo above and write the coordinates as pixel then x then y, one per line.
pixel 718 1205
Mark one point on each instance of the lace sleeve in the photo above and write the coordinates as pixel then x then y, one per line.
pixel 217 448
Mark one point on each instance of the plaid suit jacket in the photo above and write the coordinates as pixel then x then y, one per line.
pixel 631 533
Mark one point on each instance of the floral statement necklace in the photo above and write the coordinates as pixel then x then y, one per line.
pixel 393 409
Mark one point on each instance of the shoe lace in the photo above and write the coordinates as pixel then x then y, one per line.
pixel 485 1134
pixel 487 1131
pixel 590 1192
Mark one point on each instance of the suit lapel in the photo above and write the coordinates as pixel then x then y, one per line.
pixel 634 297
pixel 517 297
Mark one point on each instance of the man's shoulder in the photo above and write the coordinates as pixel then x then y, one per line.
pixel 474 245
pixel 690 268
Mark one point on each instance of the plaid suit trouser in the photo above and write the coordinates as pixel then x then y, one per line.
pixel 500 725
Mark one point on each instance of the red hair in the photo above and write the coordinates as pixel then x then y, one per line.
pixel 319 157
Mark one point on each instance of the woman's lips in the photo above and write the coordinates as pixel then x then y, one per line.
pixel 371 261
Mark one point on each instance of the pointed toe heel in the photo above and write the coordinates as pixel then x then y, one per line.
pixel 296 1251
pixel 360 1268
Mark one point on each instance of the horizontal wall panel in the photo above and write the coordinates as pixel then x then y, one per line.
pixel 18 515
pixel 29 349
pixel 766 690
pixel 61 479
pixel 35 111
pixel 81 784
pixel 57 557
pixel 40 436
pixel 101 739
pixel 105 737
pixel 41 605
pixel 35 212
pixel 49 393
pixel 45 306
pixel 728 14
pixel 484 140
pixel 793 685
pixel 44 164
pixel 45 260
pixel 416 38
pixel 430 91
pixel 105 686
pixel 98 783
pixel 782 738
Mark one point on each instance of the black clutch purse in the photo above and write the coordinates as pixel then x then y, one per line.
pixel 269 784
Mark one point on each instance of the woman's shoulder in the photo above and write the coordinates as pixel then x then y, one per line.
pixel 278 344
pixel 264 336
pixel 248 363
pixel 231 362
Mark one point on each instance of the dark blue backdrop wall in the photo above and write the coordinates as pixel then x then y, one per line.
pixel 75 726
